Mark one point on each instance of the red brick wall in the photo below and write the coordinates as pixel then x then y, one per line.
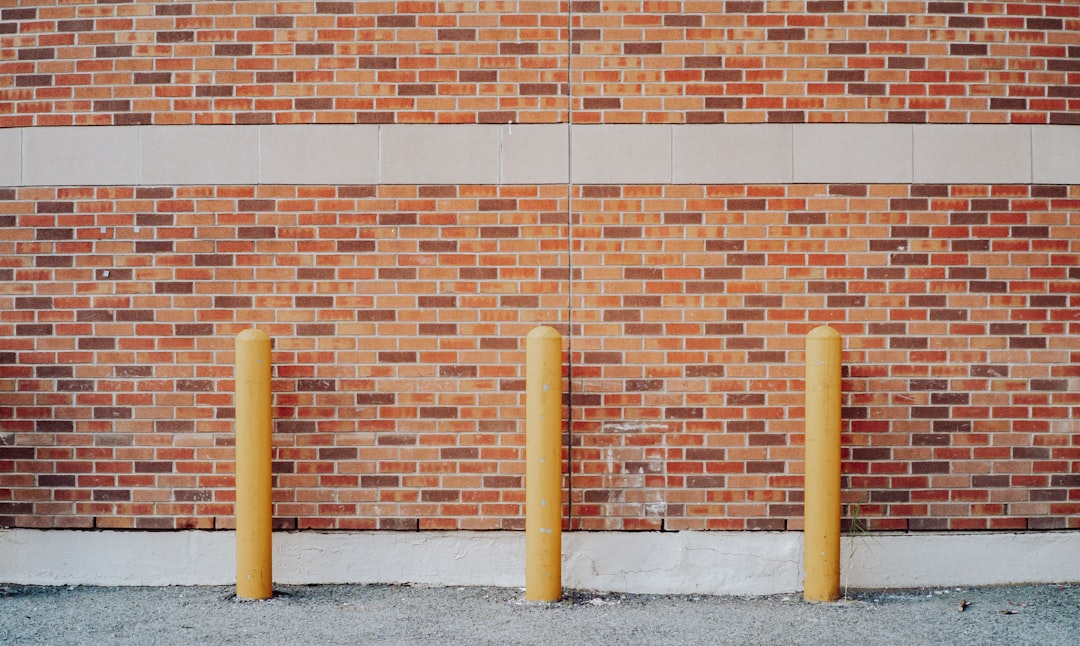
pixel 398 315
pixel 398 312
pixel 146 62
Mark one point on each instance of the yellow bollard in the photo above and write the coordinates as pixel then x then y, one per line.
pixel 543 465
pixel 821 537
pixel 254 575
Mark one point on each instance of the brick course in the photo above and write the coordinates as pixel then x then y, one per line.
pixel 146 62
pixel 398 314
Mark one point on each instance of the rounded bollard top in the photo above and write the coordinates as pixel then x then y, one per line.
pixel 544 332
pixel 823 332
pixel 252 335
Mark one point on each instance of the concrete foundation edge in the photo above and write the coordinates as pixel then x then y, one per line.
pixel 718 563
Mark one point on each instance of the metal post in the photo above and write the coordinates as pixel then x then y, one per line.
pixel 254 575
pixel 543 465
pixel 821 538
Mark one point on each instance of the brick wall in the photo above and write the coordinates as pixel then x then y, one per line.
pixel 398 310
pixel 145 62
pixel 398 313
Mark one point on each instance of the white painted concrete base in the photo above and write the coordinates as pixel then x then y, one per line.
pixel 723 563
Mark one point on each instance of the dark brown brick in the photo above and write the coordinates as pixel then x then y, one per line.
pixel 175 36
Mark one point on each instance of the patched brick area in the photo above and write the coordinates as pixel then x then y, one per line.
pixel 398 315
pixel 144 62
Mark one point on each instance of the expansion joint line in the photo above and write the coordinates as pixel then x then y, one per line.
pixel 570 262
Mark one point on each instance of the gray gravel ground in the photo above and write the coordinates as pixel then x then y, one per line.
pixel 383 614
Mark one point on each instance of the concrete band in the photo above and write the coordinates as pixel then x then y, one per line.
pixel 640 562
pixel 540 154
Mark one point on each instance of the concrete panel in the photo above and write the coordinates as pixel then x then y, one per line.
pixel 535 154
pixel 439 154
pixel 976 154
pixel 931 560
pixel 642 562
pixel 81 156
pixel 319 154
pixel 683 562
pixel 200 154
pixel 11 156
pixel 620 154
pixel 1055 154
pixel 731 154
pixel 853 153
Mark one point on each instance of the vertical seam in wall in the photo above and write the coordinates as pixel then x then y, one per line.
pixel 570 264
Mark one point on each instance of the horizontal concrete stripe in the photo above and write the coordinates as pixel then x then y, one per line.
pixel 641 562
pixel 541 154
